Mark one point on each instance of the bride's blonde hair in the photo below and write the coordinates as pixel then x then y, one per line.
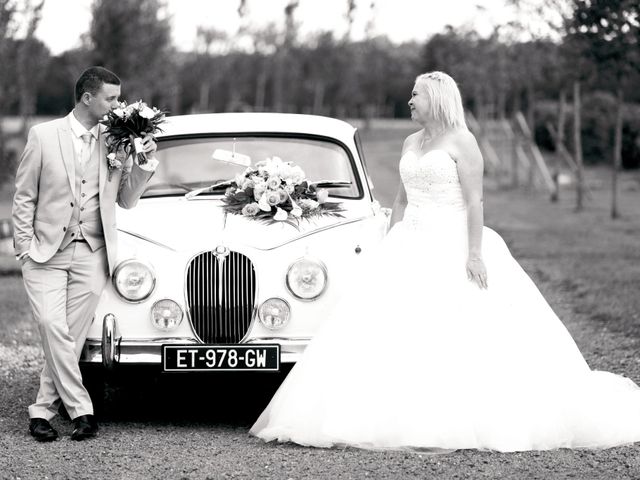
pixel 445 102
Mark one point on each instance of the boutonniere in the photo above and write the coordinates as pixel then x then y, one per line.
pixel 114 162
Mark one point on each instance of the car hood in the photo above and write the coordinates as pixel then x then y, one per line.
pixel 187 225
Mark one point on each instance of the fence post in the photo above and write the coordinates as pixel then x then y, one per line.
pixel 6 228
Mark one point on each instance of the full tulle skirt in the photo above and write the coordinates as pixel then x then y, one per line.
pixel 416 356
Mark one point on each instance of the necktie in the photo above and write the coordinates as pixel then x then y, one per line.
pixel 85 155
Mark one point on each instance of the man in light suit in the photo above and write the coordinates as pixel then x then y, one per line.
pixel 65 237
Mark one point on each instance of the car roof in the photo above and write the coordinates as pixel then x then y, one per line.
pixel 258 123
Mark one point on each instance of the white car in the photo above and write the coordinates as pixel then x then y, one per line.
pixel 198 289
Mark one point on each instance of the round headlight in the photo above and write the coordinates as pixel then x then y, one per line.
pixel 166 314
pixel 307 278
pixel 134 280
pixel 274 313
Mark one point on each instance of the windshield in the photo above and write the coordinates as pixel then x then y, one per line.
pixel 190 163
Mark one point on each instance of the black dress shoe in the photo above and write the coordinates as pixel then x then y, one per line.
pixel 84 426
pixel 41 430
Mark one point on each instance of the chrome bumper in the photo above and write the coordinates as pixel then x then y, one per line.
pixel 112 350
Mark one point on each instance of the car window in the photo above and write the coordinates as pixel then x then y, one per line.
pixel 189 163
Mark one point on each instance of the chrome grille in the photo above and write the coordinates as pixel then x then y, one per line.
pixel 220 296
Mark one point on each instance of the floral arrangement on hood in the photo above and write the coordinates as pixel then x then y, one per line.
pixel 277 191
pixel 125 127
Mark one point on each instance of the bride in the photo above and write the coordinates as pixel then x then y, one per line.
pixel 447 344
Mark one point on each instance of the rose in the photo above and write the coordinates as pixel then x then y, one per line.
pixel 273 198
pixel 258 190
pixel 239 179
pixel 322 196
pixel 119 112
pixel 274 182
pixel 282 196
pixel 129 109
pixel 250 210
pixel 146 112
pixel 297 174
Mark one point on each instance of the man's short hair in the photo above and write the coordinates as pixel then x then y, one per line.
pixel 92 79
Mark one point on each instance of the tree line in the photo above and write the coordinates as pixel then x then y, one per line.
pixel 594 48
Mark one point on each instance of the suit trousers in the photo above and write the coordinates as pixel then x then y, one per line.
pixel 63 293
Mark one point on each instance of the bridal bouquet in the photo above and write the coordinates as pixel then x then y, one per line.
pixel 125 126
pixel 276 191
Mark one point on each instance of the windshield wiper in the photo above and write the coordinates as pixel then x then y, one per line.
pixel 227 183
pixel 210 188
pixel 331 184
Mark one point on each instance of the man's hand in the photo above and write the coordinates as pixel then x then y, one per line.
pixel 23 257
pixel 149 144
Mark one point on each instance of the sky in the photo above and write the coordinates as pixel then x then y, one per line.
pixel 63 21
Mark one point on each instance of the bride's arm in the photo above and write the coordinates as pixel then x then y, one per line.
pixel 399 204
pixel 470 168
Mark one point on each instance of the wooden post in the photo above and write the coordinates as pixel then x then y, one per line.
pixel 515 146
pixel 535 154
pixel 577 138
pixel 203 103
pixel 562 104
pixel 530 176
pixel 562 149
pixel 261 87
pixel 617 154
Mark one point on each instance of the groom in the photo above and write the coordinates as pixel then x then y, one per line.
pixel 65 238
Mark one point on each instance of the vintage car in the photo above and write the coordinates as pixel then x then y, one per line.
pixel 200 289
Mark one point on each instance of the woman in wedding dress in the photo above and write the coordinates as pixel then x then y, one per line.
pixel 447 344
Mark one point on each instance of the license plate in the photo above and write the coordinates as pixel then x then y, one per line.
pixel 221 358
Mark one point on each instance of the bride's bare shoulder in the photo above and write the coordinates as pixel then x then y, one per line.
pixel 463 136
pixel 410 141
pixel 464 144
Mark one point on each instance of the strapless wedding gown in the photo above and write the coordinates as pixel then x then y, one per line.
pixel 419 357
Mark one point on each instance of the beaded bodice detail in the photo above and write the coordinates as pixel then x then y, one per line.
pixel 431 180
pixel 434 194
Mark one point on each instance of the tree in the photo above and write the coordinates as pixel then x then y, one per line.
pixel 32 61
pixel 609 31
pixel 24 61
pixel 133 38
pixel 283 64
pixel 7 31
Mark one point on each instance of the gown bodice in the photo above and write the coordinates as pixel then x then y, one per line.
pixel 432 185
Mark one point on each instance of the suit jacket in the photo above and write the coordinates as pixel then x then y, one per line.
pixel 45 185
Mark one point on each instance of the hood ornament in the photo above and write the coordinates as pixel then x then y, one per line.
pixel 221 252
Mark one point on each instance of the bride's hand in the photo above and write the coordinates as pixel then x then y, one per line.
pixel 477 272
